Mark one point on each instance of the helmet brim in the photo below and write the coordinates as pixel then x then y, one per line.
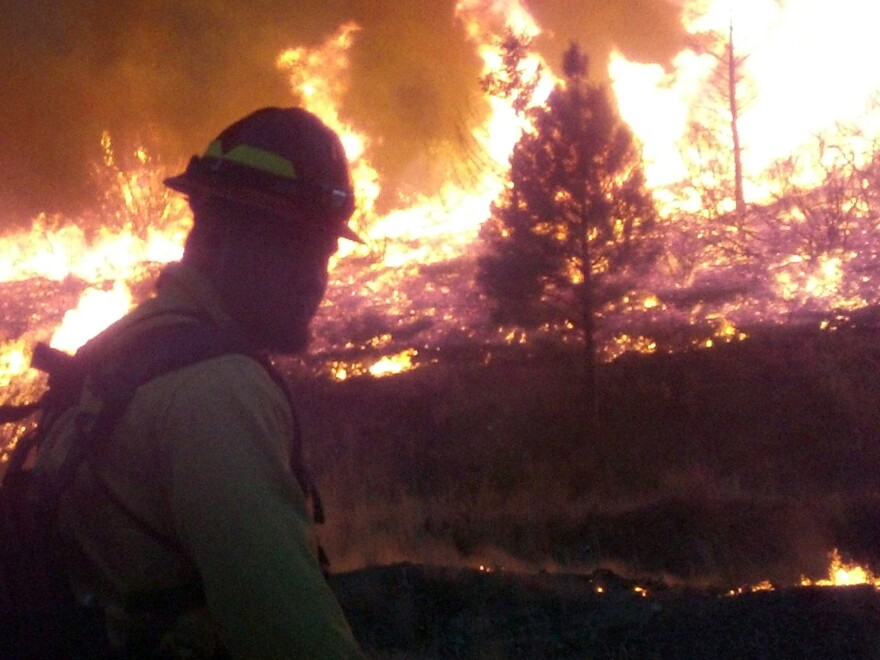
pixel 190 183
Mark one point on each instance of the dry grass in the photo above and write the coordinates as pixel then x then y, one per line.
pixel 746 462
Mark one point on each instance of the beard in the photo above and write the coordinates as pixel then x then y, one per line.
pixel 275 314
pixel 274 323
pixel 271 285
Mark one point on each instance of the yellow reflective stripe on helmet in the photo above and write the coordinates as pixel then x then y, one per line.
pixel 214 150
pixel 254 157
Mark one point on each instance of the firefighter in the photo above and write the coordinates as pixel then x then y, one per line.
pixel 191 527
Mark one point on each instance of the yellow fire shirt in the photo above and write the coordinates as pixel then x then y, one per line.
pixel 201 456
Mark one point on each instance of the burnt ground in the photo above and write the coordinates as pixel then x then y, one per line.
pixel 414 611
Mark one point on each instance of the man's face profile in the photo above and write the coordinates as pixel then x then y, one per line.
pixel 274 281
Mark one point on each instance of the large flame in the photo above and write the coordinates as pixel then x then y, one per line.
pixel 808 124
pixel 147 226
pixel 97 308
pixel 801 57
pixel 100 255
pixel 428 228
pixel 142 224
pixel 424 229
pixel 843 574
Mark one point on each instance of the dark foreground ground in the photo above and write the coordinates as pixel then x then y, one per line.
pixel 410 611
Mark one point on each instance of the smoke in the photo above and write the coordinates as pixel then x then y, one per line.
pixel 172 73
pixel 643 30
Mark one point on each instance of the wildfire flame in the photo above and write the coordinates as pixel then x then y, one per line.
pixel 96 308
pixel 318 77
pixel 14 360
pixel 800 88
pixel 114 253
pixel 147 226
pixel 842 574
pixel 103 254
pixel 426 229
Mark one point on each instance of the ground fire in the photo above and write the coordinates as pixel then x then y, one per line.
pixel 409 291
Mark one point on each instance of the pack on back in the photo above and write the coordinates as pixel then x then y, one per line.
pixel 39 614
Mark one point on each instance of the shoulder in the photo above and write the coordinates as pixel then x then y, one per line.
pixel 230 398
pixel 232 378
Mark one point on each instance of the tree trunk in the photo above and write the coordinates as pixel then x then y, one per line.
pixel 732 67
pixel 591 407
pixel 588 393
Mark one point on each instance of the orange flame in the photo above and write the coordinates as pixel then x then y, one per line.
pixel 319 78
pixel 425 230
pixel 801 88
pixel 97 308
pixel 14 360
pixel 111 250
pixel 842 574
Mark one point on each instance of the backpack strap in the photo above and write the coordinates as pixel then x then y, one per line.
pixel 164 349
pixel 169 347
pixel 154 352
pixel 297 460
pixel 298 464
pixel 114 378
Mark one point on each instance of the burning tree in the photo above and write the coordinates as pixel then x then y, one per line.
pixel 825 198
pixel 514 79
pixel 568 234
pixel 132 193
pixel 716 125
pixel 712 146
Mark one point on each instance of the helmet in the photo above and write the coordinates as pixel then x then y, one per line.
pixel 283 160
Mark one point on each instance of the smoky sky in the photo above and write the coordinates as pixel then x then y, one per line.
pixel 172 73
